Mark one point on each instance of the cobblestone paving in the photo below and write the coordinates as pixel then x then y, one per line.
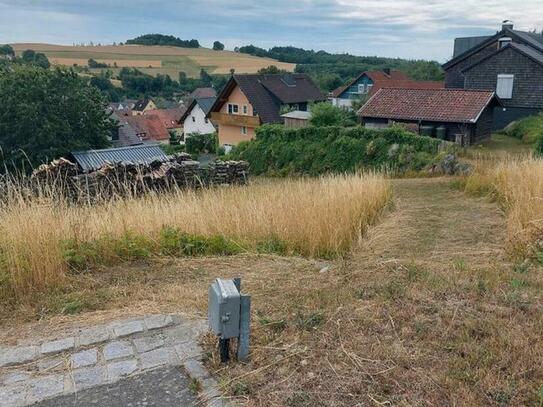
pixel 108 361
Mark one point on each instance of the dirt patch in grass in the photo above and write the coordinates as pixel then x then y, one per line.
pixel 425 311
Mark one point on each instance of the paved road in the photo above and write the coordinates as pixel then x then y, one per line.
pixel 165 387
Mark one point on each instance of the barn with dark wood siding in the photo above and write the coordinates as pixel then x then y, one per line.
pixel 461 116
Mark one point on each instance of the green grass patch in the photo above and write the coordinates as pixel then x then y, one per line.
pixel 85 255
pixel 528 130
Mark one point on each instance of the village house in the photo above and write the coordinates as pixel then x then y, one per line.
pixel 143 105
pixel 247 101
pixel 462 116
pixel 369 82
pixel 170 118
pixel 195 120
pixel 509 62
pixel 148 128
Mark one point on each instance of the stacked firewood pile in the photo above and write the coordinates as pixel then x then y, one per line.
pixel 228 172
pixel 129 179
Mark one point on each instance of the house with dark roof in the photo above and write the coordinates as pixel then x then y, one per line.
pixel 142 106
pixel 247 101
pixel 369 82
pixel 195 120
pixel 510 62
pixel 462 116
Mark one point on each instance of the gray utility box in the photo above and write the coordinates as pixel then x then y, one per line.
pixel 224 308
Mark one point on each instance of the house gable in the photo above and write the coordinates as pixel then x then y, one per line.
pixel 358 88
pixel 237 97
pixel 518 60
pixel 454 77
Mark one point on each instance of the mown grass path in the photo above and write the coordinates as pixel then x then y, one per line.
pixel 432 222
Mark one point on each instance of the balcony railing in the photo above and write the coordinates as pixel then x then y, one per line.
pixel 235 119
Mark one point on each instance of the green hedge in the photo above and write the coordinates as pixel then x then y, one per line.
pixel 279 151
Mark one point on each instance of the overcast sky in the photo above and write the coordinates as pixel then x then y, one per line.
pixel 397 28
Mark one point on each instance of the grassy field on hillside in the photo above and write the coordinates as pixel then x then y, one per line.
pixel 155 59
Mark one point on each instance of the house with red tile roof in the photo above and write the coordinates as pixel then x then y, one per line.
pixel 148 128
pixel 368 83
pixel 170 118
pixel 462 116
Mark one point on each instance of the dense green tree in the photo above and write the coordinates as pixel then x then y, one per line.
pixel 324 114
pixel 103 83
pixel 95 64
pixel 7 50
pixel 160 39
pixel 218 46
pixel 46 114
pixel 41 60
pixel 205 78
pixel 30 56
pixel 271 70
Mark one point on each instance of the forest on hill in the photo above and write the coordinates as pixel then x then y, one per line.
pixel 333 70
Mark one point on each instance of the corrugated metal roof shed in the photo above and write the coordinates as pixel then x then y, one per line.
pixel 94 159
pixel 297 114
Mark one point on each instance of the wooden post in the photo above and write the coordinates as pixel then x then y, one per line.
pixel 244 328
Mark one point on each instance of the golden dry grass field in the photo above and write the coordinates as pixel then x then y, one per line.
pixel 155 59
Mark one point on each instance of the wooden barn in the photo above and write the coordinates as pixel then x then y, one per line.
pixel 461 116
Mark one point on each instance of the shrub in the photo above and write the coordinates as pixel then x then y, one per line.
pixel 316 150
pixel 324 114
pixel 201 143
pixel 529 129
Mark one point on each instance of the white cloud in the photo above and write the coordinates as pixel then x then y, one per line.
pixel 441 15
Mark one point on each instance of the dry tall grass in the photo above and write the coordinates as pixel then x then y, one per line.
pixel 518 185
pixel 312 217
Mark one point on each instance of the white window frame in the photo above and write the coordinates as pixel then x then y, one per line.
pixel 244 130
pixel 504 86
pixel 361 89
pixel 245 109
pixel 233 108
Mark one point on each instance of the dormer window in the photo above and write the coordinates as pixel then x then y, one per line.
pixel 503 41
